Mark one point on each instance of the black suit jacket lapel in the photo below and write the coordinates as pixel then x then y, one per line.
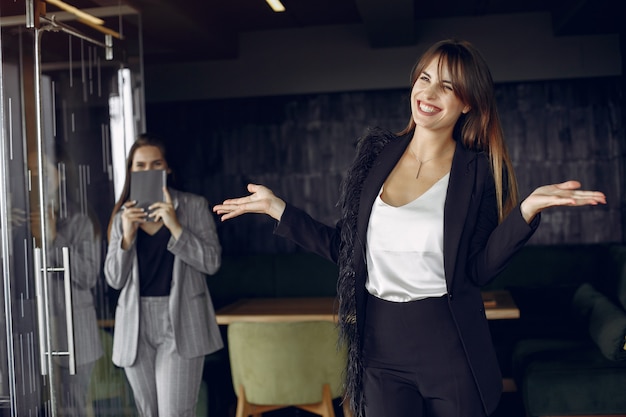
pixel 379 172
pixel 458 198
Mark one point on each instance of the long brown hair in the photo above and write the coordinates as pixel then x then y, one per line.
pixel 142 140
pixel 480 128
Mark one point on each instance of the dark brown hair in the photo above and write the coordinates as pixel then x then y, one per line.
pixel 480 128
pixel 142 140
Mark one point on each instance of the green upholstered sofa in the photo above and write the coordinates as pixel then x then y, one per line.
pixel 566 353
pixel 549 352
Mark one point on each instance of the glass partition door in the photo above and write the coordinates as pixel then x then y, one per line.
pixel 60 100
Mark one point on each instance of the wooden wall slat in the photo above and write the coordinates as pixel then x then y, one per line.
pixel 301 146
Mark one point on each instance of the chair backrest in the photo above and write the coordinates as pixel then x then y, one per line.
pixel 286 362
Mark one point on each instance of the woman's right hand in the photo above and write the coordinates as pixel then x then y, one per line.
pixel 261 200
pixel 131 218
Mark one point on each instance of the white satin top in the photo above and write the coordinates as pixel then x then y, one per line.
pixel 405 247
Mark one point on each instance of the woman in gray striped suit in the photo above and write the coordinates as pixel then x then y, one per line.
pixel 164 320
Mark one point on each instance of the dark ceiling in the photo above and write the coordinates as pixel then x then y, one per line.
pixel 192 30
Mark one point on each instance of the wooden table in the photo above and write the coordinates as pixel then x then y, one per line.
pixel 498 305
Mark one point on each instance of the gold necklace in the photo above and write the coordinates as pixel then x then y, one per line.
pixel 420 162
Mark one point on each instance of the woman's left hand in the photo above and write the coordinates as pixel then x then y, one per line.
pixel 164 210
pixel 564 194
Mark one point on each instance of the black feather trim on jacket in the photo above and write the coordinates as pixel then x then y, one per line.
pixel 368 149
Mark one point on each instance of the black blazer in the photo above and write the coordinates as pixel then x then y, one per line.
pixel 476 249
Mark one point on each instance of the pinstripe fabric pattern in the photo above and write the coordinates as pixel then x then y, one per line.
pixel 164 383
pixel 196 253
pixel 76 231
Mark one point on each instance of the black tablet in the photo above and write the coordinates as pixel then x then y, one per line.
pixel 146 187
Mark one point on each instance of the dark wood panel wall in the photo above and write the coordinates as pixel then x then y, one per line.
pixel 301 146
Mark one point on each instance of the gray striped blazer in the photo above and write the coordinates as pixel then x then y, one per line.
pixel 196 253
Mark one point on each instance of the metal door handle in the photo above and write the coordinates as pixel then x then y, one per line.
pixel 41 315
pixel 69 313
pixel 69 310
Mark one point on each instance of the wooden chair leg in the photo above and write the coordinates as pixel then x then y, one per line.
pixel 345 406
pixel 247 409
pixel 327 399
pixel 244 408
pixel 241 403
pixel 324 408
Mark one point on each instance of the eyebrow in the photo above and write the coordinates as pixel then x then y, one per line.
pixel 154 161
pixel 442 81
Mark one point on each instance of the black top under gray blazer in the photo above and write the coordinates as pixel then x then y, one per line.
pixel 476 249
pixel 197 253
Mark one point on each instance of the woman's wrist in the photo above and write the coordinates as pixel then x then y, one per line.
pixel 527 213
pixel 128 237
pixel 176 230
pixel 277 208
pixel 126 243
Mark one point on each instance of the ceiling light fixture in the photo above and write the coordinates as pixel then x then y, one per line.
pixel 276 5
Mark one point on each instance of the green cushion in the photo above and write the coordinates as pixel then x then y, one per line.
pixel 527 350
pixel 574 380
pixel 606 321
pixel 286 362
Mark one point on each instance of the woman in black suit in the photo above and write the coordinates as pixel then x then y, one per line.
pixel 429 215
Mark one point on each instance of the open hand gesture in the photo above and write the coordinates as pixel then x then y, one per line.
pixel 563 194
pixel 261 200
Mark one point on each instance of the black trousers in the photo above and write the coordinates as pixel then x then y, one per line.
pixel 415 365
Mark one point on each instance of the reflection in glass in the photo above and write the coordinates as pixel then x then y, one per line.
pixel 123 130
pixel 70 224
pixel 73 134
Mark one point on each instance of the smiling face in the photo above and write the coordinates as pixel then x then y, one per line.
pixel 434 103
pixel 148 158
